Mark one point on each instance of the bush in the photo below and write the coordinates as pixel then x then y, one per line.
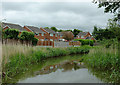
pixel 85 42
pixel 34 41
pixel 10 34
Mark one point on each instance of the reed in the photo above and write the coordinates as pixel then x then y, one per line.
pixel 17 58
pixel 105 60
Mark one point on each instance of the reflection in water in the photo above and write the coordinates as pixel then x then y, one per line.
pixel 66 72
pixel 66 69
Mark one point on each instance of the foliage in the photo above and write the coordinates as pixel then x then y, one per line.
pixel 68 35
pixel 34 41
pixel 85 42
pixel 54 28
pixel 19 59
pixel 103 59
pixel 10 33
pixel 27 36
pixel 76 31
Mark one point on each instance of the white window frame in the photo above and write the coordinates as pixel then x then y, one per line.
pixel 82 36
pixel 51 39
pixel 55 35
pixel 42 34
pixel 51 34
pixel 41 39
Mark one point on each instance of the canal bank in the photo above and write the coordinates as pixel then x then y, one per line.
pixel 22 57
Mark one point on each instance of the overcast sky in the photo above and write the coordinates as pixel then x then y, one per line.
pixel 63 15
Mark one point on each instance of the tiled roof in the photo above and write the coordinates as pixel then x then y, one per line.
pixel 35 29
pixel 82 33
pixel 49 30
pixel 13 26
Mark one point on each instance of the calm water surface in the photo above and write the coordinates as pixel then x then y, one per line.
pixel 66 69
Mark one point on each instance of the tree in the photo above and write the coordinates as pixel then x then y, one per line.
pixel 75 32
pixel 10 34
pixel 68 36
pixel 28 37
pixel 112 6
pixel 54 28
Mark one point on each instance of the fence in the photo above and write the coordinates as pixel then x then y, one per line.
pixel 74 43
pixel 45 43
pixel 61 44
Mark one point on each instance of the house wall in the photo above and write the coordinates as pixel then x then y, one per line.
pixel 47 35
pixel 88 35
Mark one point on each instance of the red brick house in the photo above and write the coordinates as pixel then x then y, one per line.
pixel 12 26
pixel 84 35
pixel 39 34
pixel 50 35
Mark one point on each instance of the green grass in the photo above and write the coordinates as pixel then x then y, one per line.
pixel 105 60
pixel 17 58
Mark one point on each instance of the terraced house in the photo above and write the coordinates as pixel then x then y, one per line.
pixel 39 34
pixel 50 35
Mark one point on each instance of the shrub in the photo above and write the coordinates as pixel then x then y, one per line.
pixel 85 42
pixel 34 41
pixel 10 34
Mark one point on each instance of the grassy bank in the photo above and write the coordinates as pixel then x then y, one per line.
pixel 17 58
pixel 105 60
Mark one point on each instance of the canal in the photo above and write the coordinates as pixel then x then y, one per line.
pixel 66 69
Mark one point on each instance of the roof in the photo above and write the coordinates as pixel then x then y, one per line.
pixel 82 33
pixel 49 30
pixel 13 26
pixel 35 29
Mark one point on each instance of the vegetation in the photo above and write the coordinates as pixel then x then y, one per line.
pixel 105 60
pixel 24 36
pixel 20 57
pixel 10 34
pixel 85 42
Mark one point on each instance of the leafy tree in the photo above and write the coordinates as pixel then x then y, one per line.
pixel 75 32
pixel 68 36
pixel 27 36
pixel 34 41
pixel 54 28
pixel 60 30
pixel 46 27
pixel 10 34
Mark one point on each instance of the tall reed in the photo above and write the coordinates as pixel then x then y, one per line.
pixel 16 58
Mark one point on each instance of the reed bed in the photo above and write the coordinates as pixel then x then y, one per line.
pixel 105 60
pixel 16 58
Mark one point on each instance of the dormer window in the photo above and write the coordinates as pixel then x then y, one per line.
pixel 51 34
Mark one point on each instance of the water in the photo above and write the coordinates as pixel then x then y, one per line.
pixel 66 69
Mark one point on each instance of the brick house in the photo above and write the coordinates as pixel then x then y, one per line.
pixel 39 34
pixel 50 35
pixel 12 26
pixel 84 35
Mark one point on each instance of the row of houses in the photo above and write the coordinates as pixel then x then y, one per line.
pixel 45 34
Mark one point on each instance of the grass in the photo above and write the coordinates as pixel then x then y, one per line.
pixel 105 60
pixel 16 58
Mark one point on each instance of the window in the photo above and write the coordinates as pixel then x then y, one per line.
pixel 42 34
pixel 55 35
pixel 51 34
pixel 42 39
pixel 82 36
pixel 37 34
pixel 51 39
